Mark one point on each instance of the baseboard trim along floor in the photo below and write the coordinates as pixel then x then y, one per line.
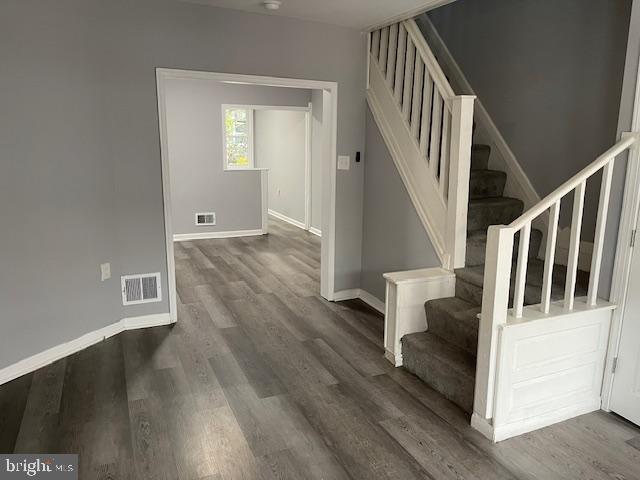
pixel 363 295
pixel 185 237
pixel 63 350
pixel 284 218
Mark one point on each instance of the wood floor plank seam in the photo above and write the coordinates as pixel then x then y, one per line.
pixel 263 379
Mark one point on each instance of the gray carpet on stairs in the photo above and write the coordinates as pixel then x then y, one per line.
pixel 444 355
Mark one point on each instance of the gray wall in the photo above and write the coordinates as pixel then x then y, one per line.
pixel 393 236
pixel 280 146
pixel 199 182
pixel 549 74
pixel 80 170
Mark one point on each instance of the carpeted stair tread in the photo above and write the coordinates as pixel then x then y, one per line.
pixel 486 183
pixel 484 212
pixel 454 320
pixel 441 365
pixel 480 156
pixel 469 282
pixel 477 246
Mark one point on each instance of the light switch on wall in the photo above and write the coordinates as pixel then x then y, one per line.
pixel 105 271
pixel 343 162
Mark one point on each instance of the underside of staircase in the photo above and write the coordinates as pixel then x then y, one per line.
pixel 444 356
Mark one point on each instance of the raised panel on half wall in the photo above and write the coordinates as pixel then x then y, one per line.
pixel 550 369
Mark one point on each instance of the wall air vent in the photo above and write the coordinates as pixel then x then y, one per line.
pixel 207 218
pixel 144 288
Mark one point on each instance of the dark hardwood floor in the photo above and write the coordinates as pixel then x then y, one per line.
pixel 263 379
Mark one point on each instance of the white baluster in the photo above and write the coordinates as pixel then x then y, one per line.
pixel 436 120
pixel 444 153
pixel 549 257
pixel 391 56
pixel 375 44
pixel 408 79
pixel 400 58
pixel 574 246
pixel 384 42
pixel 417 96
pixel 521 270
pixel 601 223
pixel 425 122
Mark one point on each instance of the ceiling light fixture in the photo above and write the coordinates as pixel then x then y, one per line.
pixel 272 4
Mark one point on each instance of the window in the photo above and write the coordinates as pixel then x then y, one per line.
pixel 238 138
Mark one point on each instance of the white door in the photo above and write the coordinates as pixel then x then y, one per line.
pixel 625 399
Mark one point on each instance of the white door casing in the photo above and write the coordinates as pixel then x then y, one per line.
pixel 625 398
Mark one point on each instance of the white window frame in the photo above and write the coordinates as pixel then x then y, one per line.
pixel 250 134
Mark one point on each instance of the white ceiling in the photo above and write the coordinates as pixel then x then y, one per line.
pixel 360 14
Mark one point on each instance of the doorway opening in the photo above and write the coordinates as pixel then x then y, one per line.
pixel 236 202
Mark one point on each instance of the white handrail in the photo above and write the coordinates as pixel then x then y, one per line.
pixel 572 183
pixel 500 241
pixel 439 78
pixel 439 127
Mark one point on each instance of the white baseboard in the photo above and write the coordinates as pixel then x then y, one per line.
pixel 363 295
pixel 482 425
pixel 58 352
pixel 184 237
pixel 525 426
pixel 284 218
pixel 315 231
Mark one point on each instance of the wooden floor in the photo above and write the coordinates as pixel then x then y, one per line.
pixel 263 379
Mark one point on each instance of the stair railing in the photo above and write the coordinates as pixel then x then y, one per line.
pixel 440 125
pixel 499 252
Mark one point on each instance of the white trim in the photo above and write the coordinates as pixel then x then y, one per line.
pixel 284 218
pixel 624 251
pixel 361 294
pixel 514 429
pixel 316 231
pixel 266 107
pixel 53 354
pixel 166 196
pixel 519 428
pixel 408 14
pixel 307 168
pixel 483 425
pixel 185 237
pixel 264 200
pixel 327 269
pixel 514 171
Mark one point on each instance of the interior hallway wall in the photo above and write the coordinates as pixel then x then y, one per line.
pixel 394 238
pixel 280 146
pixel 199 182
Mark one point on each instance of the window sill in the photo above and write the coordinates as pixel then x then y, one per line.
pixel 252 169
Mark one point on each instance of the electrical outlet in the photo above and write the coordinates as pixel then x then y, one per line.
pixel 105 271
pixel 343 162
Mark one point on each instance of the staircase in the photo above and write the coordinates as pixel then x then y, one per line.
pixel 517 341
pixel 444 356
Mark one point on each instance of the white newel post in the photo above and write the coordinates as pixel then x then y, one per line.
pixel 495 302
pixel 460 165
pixel 404 312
